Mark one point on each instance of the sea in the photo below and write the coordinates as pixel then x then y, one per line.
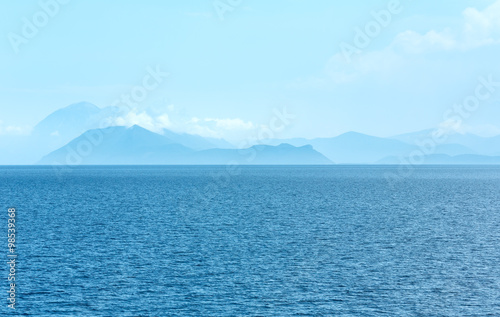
pixel 252 240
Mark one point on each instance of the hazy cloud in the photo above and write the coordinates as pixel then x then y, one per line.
pixel 479 28
pixel 14 130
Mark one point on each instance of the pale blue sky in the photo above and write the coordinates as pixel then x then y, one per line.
pixel 263 55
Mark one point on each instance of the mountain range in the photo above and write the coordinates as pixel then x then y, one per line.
pixel 136 145
pixel 76 135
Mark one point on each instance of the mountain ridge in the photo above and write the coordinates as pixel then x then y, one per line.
pixel 64 125
pixel 138 146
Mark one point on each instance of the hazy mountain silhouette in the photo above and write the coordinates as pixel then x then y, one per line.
pixel 283 154
pixel 138 146
pixel 358 148
pixel 74 119
pixel 474 143
pixel 63 125
pixel 114 145
pixel 70 126
pixel 196 142
pixel 465 159
pixel 353 147
pixel 56 130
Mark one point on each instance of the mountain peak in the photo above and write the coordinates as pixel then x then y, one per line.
pixel 69 121
pixel 136 127
pixel 352 134
pixel 290 146
pixel 83 105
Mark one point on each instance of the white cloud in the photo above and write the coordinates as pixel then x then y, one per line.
pixel 452 127
pixel 231 124
pixel 227 128
pixel 203 131
pixel 484 130
pixel 415 43
pixel 143 119
pixel 14 130
pixel 164 120
pixel 480 28
pixel 157 121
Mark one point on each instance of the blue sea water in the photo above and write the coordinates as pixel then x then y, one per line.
pixel 255 241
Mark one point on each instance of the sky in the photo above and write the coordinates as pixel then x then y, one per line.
pixel 375 67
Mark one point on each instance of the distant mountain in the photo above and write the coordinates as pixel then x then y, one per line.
pixel 473 143
pixel 220 143
pixel 283 154
pixel 480 145
pixel 413 137
pixel 358 148
pixel 54 131
pixel 64 125
pixel 75 118
pixel 70 126
pixel 114 145
pixel 67 123
pixel 196 142
pixel 467 159
pixel 353 147
pixel 294 141
pixel 138 146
